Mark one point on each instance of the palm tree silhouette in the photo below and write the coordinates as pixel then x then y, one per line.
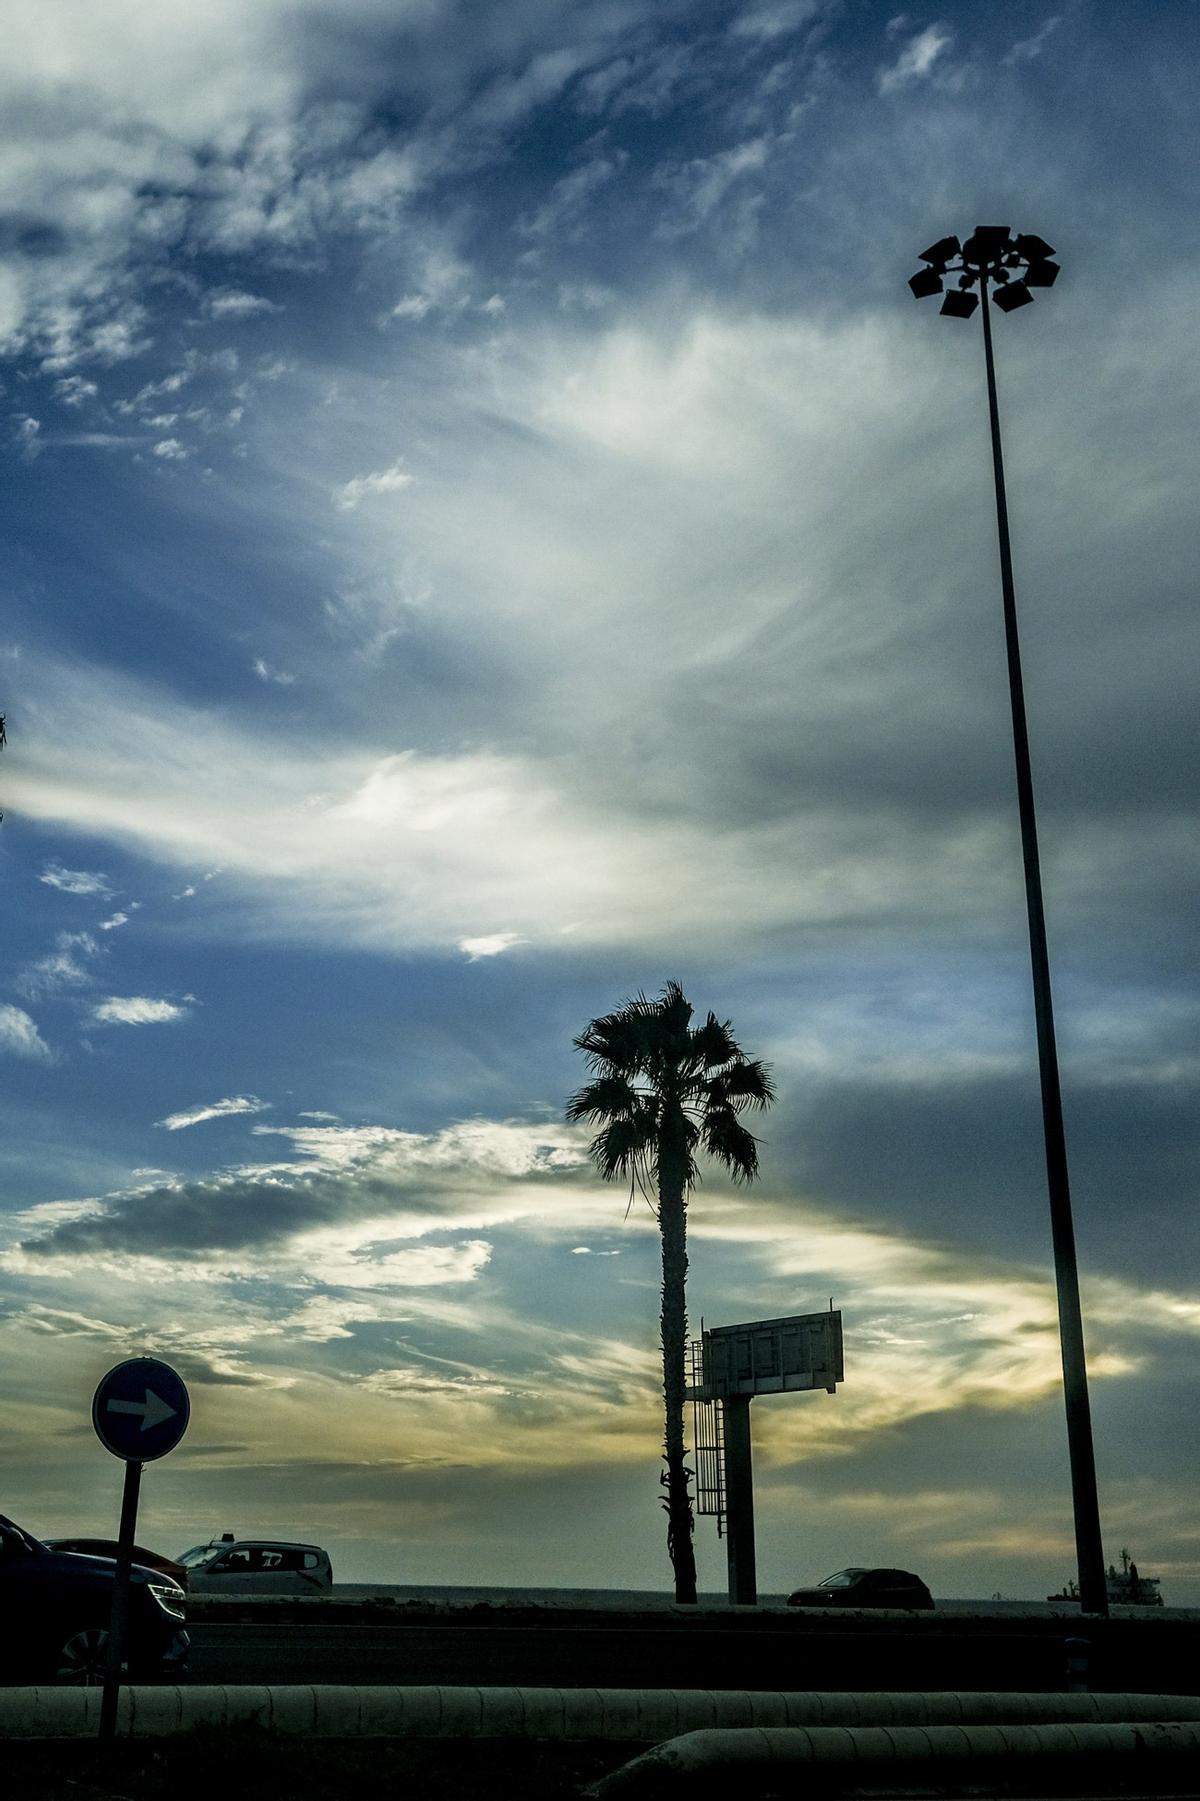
pixel 661 1091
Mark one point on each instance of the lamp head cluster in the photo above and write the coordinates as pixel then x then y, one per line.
pixel 1012 265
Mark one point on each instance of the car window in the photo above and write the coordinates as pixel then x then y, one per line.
pixel 843 1579
pixel 233 1563
pixel 197 1554
pixel 311 1560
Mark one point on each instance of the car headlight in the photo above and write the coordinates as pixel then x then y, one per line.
pixel 170 1598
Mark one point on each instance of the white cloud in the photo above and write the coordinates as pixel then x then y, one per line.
pixel 266 673
pixel 26 433
pixel 412 306
pixel 136 1010
pixel 20 1037
pixel 702 185
pixel 917 59
pixel 74 881
pixel 171 451
pixel 194 1116
pixel 346 1261
pixel 75 390
pixel 565 211
pixel 232 303
pixel 380 481
pixel 642 469
pixel 62 968
pixel 115 920
pixel 771 19
pixel 1027 49
pixel 490 945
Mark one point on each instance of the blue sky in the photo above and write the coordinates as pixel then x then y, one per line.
pixel 488 530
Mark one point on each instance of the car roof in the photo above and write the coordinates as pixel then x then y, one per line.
pixel 267 1544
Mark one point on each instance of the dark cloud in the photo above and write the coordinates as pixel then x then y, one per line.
pixel 960 1159
pixel 197 1218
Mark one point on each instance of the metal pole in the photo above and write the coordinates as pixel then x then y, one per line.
pixel 1089 1550
pixel 119 1622
pixel 739 1502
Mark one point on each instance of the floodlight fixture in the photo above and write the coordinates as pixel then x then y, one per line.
pixel 993 265
pixel 986 244
pixel 958 305
pixel 1003 268
pixel 940 253
pixel 1041 273
pixel 925 282
pixel 1014 295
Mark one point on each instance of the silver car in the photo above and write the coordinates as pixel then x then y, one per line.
pixel 260 1566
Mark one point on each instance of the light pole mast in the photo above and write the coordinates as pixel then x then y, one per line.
pixel 992 259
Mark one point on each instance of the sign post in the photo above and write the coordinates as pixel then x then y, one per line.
pixel 730 1365
pixel 140 1412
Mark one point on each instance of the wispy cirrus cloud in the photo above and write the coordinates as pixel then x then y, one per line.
pixel 234 303
pixel 74 881
pixel 65 968
pixel 918 59
pixel 194 1116
pixel 380 481
pixel 19 1035
pixel 136 1010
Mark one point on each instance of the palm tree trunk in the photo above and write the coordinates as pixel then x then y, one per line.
pixel 672 1221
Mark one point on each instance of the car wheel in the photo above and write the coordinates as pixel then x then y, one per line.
pixel 83 1660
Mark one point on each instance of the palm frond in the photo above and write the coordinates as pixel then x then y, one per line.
pixel 726 1139
pixel 715 1043
pixel 609 1097
pixel 674 1010
pixel 744 1083
pixel 621 1147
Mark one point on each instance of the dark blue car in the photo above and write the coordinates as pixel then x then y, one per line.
pixel 56 1606
pixel 865 1588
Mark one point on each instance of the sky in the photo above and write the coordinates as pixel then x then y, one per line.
pixel 487 531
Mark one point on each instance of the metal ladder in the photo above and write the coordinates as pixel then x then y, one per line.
pixel 708 1423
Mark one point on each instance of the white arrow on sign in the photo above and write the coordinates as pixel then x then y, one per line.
pixel 154 1410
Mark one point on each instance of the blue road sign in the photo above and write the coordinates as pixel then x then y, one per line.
pixel 140 1410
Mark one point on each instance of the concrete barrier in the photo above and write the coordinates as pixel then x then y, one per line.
pixel 754 1760
pixel 641 1716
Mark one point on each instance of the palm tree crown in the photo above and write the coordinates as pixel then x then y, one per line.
pixel 659 1081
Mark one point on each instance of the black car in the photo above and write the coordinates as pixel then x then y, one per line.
pixel 56 1605
pixel 865 1588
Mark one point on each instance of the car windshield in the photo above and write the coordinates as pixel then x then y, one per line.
pixel 197 1554
pixel 843 1579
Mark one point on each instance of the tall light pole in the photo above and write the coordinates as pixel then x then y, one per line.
pixel 993 263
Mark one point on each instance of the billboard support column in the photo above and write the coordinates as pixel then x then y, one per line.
pixel 739 1502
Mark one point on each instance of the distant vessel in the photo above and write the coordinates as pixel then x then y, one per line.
pixel 1126 1586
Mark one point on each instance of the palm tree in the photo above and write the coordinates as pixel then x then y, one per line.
pixel 661 1091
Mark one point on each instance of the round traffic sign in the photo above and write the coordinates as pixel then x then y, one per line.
pixel 140 1410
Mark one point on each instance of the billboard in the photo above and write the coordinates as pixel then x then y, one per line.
pixel 770 1357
